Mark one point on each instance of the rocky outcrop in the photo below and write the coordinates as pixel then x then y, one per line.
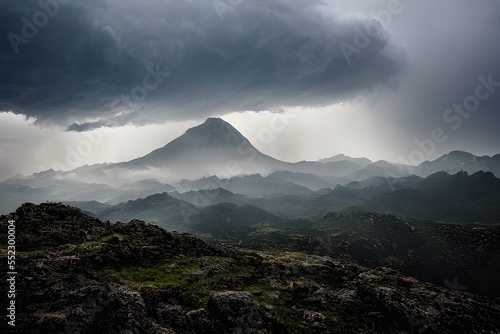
pixel 77 274
pixel 239 309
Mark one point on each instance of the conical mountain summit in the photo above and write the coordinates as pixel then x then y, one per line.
pixel 212 148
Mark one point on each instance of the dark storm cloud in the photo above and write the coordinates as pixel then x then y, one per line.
pixel 110 63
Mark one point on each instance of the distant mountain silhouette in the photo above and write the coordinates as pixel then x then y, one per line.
pixel 250 185
pixel 378 168
pixel 207 197
pixel 456 161
pixel 342 157
pixel 163 209
pixel 459 197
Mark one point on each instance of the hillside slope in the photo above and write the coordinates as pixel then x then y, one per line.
pixel 79 275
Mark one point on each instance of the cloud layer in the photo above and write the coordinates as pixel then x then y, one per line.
pixel 116 62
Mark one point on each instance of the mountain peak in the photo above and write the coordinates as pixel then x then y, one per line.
pixel 216 120
pixel 213 122
pixel 215 132
pixel 204 150
pixel 456 155
pixel 342 157
pixel 462 154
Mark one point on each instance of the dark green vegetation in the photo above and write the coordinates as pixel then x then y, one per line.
pixel 80 275
pixel 426 250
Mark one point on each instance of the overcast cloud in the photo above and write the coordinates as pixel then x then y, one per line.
pixel 260 56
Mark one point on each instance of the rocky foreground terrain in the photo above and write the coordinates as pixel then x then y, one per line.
pixel 77 274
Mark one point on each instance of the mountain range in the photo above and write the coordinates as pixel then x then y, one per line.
pixel 216 155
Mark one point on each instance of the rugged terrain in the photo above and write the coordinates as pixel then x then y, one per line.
pixel 80 275
pixel 427 250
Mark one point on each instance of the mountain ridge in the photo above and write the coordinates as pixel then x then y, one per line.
pixel 457 160
pixel 216 148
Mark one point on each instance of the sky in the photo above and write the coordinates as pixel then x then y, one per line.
pixel 404 81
